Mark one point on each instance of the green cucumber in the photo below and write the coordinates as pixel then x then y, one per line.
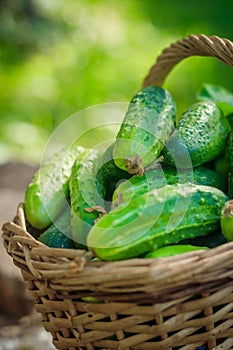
pixel 224 164
pixel 230 119
pixel 146 127
pixel 202 131
pixel 211 240
pixel 160 217
pixel 170 250
pixel 158 177
pixel 230 165
pixel 226 220
pixel 109 175
pixel 137 185
pixel 86 195
pixel 48 192
pixel 58 235
pixel 221 164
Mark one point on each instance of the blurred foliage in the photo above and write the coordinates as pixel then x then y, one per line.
pixel 60 56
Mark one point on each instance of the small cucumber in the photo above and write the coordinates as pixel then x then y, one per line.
pixel 146 127
pixel 109 175
pixel 48 192
pixel 158 177
pixel 58 235
pixel 160 217
pixel 226 220
pixel 202 131
pixel 170 250
pixel 86 195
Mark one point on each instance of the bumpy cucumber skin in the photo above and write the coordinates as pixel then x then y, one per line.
pixel 170 250
pixel 155 178
pixel 129 231
pixel 109 175
pixel 202 131
pixel 85 193
pixel 226 220
pixel 149 121
pixel 48 191
pixel 58 235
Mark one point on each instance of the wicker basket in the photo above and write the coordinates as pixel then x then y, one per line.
pixel 182 302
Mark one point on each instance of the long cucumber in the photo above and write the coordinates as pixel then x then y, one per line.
pixel 48 192
pixel 86 194
pixel 170 250
pixel 149 121
pixel 160 217
pixel 158 177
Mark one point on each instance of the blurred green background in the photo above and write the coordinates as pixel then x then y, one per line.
pixel 60 56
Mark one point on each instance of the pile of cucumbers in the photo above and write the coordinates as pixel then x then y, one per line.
pixel 163 187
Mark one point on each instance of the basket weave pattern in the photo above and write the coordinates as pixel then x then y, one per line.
pixel 181 302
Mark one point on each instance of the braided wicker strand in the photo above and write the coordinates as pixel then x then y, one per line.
pixel 193 45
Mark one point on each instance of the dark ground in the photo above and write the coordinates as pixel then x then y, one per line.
pixel 20 327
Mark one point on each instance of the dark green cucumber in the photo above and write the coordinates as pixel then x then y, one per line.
pixel 58 235
pixel 109 175
pixel 230 164
pixel 224 164
pixel 226 220
pixel 202 131
pixel 211 240
pixel 221 165
pixel 160 217
pixel 170 250
pixel 230 120
pixel 158 177
pixel 146 127
pixel 86 195
pixel 48 191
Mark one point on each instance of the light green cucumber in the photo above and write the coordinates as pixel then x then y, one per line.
pixel 170 250
pixel 160 217
pixel 158 177
pixel 86 195
pixel 146 127
pixel 202 131
pixel 48 192
pixel 226 220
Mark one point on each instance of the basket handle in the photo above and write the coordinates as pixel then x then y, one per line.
pixel 192 45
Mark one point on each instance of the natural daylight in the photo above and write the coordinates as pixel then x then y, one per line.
pixel 116 175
